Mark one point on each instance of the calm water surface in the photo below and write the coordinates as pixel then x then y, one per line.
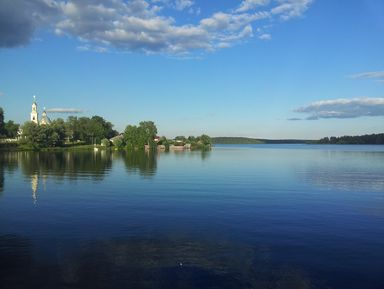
pixel 280 216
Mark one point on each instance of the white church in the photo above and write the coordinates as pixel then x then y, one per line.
pixel 35 114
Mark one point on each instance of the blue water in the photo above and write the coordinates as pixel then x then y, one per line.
pixel 239 216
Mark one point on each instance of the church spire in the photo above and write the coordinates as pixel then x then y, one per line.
pixel 34 113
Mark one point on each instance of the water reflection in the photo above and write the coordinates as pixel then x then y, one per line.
pixel 1 176
pixel 347 171
pixel 8 163
pixel 143 162
pixel 145 263
pixel 37 167
pixel 65 164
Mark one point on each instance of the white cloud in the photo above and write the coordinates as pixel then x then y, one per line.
pixel 64 110
pixel 344 108
pixel 376 75
pixel 251 4
pixel 288 9
pixel 142 25
pixel 183 4
pixel 265 36
pixel 97 49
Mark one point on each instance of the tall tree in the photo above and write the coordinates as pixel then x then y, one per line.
pixel 148 130
pixel 2 128
pixel 131 136
pixel 43 136
pixel 11 129
pixel 71 130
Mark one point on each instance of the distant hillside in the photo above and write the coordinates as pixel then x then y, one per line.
pixel 360 139
pixel 247 140
pixel 235 140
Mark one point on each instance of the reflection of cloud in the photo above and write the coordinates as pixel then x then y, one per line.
pixel 141 25
pixel 344 108
pixel 65 110
pixel 354 172
pixel 376 75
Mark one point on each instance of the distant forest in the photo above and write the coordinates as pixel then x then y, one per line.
pixel 362 139
pixel 247 140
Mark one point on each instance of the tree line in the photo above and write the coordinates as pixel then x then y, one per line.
pixel 145 134
pixel 361 139
pixel 8 129
pixel 82 130
pixel 92 130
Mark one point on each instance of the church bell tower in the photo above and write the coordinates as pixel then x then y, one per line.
pixel 34 113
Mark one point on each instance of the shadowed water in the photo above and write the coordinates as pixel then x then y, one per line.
pixel 256 216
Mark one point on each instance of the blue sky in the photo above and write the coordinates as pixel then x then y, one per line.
pixel 257 68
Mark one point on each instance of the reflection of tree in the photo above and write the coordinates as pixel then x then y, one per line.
pixel 205 153
pixel 66 164
pixel 60 165
pixel 8 162
pixel 143 263
pixel 1 176
pixel 143 161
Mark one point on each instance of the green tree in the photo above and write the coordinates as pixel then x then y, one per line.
pixel 136 137
pixel 57 132
pixel 11 129
pixel 102 128
pixel 191 139
pixel 2 128
pixel 119 143
pixel 205 139
pixel 148 131
pixel 81 130
pixel 131 136
pixel 105 142
pixel 43 136
pixel 71 129
pixel 181 138
pixel 31 135
pixel 163 141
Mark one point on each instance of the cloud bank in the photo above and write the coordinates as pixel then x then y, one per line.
pixel 64 110
pixel 376 75
pixel 148 26
pixel 343 108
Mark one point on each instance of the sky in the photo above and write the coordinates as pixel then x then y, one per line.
pixel 274 69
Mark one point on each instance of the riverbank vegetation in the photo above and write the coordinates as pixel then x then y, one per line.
pixel 88 133
pixel 59 133
pixel 8 129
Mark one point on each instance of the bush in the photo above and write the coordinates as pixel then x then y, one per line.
pixel 105 142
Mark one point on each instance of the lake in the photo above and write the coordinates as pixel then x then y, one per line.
pixel 238 216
